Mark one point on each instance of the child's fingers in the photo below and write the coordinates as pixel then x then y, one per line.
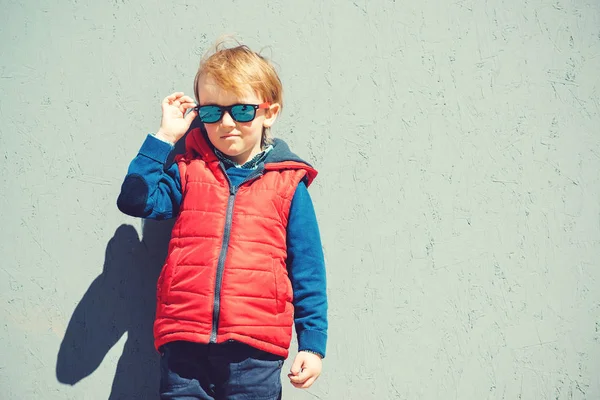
pixel 186 106
pixel 190 116
pixel 182 108
pixel 305 385
pixel 309 382
pixel 172 97
pixel 304 381
pixel 297 385
pixel 183 101
pixel 299 378
pixel 186 99
pixel 294 376
pixel 297 366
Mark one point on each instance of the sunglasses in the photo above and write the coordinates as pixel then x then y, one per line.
pixel 239 112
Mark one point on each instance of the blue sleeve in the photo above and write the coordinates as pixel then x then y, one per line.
pixel 306 268
pixel 150 189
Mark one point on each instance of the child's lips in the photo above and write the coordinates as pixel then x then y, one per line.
pixel 229 136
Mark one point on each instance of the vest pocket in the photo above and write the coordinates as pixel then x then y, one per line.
pixel 165 280
pixel 279 291
pixel 164 283
pixel 160 283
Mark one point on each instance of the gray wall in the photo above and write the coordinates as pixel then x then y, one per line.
pixel 459 155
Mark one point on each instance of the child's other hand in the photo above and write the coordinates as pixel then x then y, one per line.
pixel 175 123
pixel 305 370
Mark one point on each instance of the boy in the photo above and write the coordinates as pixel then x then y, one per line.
pixel 245 258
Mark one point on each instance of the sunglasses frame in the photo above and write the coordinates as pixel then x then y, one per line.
pixel 227 109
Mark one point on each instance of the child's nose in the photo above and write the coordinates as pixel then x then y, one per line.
pixel 227 120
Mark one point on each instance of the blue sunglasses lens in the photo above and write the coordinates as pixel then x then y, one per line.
pixel 210 114
pixel 243 112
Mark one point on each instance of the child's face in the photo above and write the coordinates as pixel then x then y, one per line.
pixel 240 141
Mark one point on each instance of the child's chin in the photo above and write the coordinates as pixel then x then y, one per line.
pixel 229 151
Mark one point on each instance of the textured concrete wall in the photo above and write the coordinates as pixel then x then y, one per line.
pixel 459 151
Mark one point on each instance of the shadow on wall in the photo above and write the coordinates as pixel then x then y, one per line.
pixel 122 299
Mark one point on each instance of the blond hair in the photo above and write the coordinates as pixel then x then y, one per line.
pixel 236 67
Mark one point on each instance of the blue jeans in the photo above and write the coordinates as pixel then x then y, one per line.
pixel 231 370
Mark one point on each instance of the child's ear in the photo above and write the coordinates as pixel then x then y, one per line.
pixel 271 115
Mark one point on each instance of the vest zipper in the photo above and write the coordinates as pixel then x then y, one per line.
pixel 224 246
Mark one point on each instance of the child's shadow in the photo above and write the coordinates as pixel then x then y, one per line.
pixel 122 299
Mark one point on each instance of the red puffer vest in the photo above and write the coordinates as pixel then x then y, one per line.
pixel 225 277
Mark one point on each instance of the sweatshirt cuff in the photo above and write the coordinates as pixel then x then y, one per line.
pixel 156 149
pixel 315 341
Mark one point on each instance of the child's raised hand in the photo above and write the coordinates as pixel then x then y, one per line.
pixel 175 123
pixel 305 370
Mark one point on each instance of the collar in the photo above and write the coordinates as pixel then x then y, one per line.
pixel 251 164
